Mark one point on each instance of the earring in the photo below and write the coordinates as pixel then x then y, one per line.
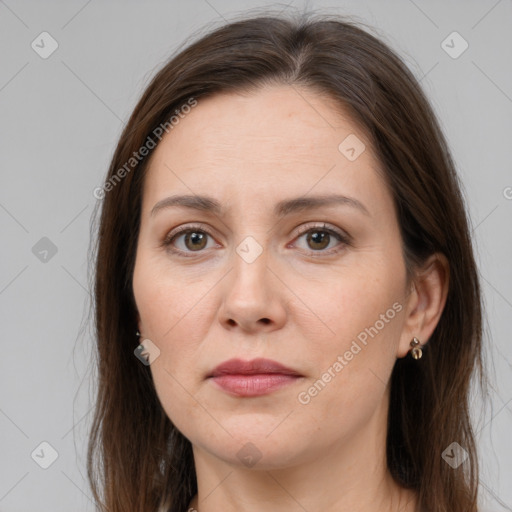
pixel 137 333
pixel 416 351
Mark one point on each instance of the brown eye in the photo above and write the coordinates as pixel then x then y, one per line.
pixel 318 240
pixel 187 240
pixel 195 240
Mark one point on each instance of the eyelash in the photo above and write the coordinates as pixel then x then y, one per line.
pixel 343 238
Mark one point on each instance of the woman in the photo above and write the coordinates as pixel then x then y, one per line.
pixel 287 303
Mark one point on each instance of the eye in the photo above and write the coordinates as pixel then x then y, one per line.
pixel 319 238
pixel 188 239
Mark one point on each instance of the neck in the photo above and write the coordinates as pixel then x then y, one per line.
pixel 268 492
pixel 351 476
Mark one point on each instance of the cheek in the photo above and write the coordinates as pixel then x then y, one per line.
pixel 352 366
pixel 165 301
pixel 354 356
pixel 175 327
pixel 175 316
pixel 349 304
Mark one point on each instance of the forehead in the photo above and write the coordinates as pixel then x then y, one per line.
pixel 280 141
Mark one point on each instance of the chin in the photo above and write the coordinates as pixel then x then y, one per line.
pixel 255 448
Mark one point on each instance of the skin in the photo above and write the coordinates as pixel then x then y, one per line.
pixel 296 305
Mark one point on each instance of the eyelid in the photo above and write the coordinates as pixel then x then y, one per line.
pixel 324 227
pixel 198 226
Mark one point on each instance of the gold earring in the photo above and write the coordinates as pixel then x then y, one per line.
pixel 416 351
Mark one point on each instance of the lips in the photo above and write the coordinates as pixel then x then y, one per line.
pixel 252 378
pixel 254 367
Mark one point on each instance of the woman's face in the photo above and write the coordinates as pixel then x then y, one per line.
pixel 270 272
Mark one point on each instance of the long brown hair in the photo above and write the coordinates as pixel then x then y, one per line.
pixel 137 460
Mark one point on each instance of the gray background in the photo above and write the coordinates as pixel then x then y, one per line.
pixel 60 119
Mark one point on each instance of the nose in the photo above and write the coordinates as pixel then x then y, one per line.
pixel 253 296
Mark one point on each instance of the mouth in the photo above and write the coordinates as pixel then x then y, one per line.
pixel 252 378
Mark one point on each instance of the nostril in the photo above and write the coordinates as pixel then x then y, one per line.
pixel 265 320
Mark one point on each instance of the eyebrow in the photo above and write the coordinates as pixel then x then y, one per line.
pixel 281 209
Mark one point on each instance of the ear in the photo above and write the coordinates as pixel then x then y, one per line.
pixel 425 303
